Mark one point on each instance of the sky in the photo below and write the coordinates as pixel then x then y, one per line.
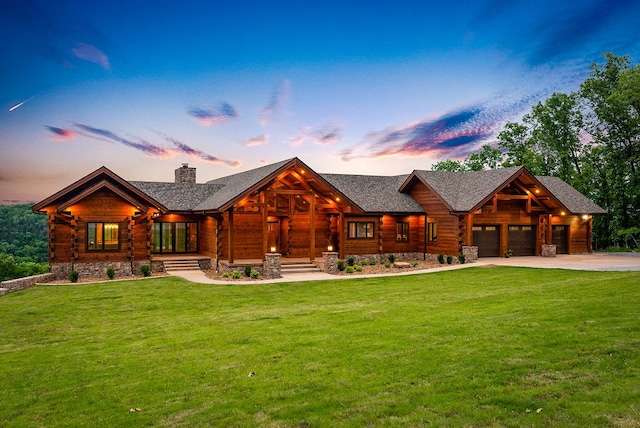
pixel 376 87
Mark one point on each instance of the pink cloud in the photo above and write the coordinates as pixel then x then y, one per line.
pixel 60 134
pixel 260 140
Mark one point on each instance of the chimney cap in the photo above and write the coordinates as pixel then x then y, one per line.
pixel 185 164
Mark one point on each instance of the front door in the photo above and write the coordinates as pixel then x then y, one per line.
pixel 273 236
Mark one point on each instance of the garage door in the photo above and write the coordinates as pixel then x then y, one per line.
pixel 487 239
pixel 522 240
pixel 559 236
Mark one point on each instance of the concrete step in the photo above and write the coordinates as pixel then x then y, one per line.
pixel 174 265
pixel 299 268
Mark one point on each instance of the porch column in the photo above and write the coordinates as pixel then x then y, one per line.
pixel 469 232
pixel 265 215
pixel 231 243
pixel 312 240
pixel 549 237
pixel 341 241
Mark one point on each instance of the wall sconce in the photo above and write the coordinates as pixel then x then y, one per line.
pixel 330 248
pixel 155 214
pixel 585 216
pixel 273 249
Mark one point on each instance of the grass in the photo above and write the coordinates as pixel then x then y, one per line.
pixel 474 347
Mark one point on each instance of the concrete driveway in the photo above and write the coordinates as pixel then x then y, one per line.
pixel 594 261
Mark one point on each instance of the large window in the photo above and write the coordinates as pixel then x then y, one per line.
pixel 402 231
pixel 102 236
pixel 358 230
pixel 432 232
pixel 174 238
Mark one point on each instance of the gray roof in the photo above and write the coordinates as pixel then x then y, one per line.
pixel 235 185
pixel 376 194
pixel 178 196
pixel 568 196
pixel 462 191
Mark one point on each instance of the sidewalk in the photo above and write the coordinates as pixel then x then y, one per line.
pixel 588 262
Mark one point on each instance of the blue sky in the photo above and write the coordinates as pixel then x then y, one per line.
pixel 347 86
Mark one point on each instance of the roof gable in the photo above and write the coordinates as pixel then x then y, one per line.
pixel 574 201
pixel 99 179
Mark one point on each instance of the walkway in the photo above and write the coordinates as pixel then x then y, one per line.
pixel 588 262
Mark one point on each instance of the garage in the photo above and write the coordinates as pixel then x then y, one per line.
pixel 560 238
pixel 522 240
pixel 487 239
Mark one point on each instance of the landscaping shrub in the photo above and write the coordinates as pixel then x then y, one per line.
pixel 392 258
pixel 372 262
pixel 414 264
pixel 225 275
pixel 236 274
pixel 358 268
pixel 73 276
pixel 387 265
pixel 341 265
pixel 254 274
pixel 111 272
pixel 441 258
pixel 449 259
pixel 349 269
pixel 247 270
pixel 145 270
pixel 350 261
pixel 462 258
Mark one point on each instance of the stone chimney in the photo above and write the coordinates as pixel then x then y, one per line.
pixel 184 174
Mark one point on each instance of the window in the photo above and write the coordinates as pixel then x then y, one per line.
pixel 402 231
pixel 361 229
pixel 102 236
pixel 174 238
pixel 432 232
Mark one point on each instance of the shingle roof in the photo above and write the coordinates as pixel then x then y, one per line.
pixel 462 191
pixel 178 196
pixel 235 185
pixel 573 200
pixel 375 193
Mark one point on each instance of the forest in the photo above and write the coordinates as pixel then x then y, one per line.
pixel 590 138
pixel 23 242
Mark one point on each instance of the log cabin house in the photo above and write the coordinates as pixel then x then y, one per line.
pixel 287 208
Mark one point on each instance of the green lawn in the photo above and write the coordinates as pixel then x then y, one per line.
pixel 472 347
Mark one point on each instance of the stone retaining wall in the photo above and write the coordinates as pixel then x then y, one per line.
pixel 22 283
pixel 99 269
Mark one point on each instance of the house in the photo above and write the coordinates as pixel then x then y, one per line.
pixel 288 209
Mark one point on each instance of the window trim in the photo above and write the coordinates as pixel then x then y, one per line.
pixel 356 228
pixel 402 231
pixel 102 239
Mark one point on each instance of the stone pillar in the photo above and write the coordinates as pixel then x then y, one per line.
pixel 330 262
pixel 548 250
pixel 272 265
pixel 470 253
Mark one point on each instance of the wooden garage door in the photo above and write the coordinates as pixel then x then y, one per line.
pixel 487 239
pixel 560 237
pixel 522 240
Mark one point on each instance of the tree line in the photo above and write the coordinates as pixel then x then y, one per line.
pixel 590 138
pixel 23 242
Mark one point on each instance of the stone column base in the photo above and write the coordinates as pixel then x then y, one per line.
pixel 470 253
pixel 330 262
pixel 272 265
pixel 548 250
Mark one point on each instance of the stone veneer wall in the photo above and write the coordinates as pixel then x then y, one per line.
pixel 99 269
pixel 22 283
pixel 358 259
pixel 272 265
pixel 548 250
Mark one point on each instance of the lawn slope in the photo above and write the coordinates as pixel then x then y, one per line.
pixel 477 346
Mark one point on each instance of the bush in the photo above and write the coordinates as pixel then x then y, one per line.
pixel 372 262
pixel 414 264
pixel 247 270
pixel 341 265
pixel 392 258
pixel 73 276
pixel 449 259
pixel 111 272
pixel 387 265
pixel 358 268
pixel 462 258
pixel 441 258
pixel 145 270
pixel 254 274
pixel 236 274
pixel 349 269
pixel 350 261
pixel 225 275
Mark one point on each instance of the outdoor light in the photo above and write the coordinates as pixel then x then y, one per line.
pixel 273 249
pixel 585 216
pixel 330 248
